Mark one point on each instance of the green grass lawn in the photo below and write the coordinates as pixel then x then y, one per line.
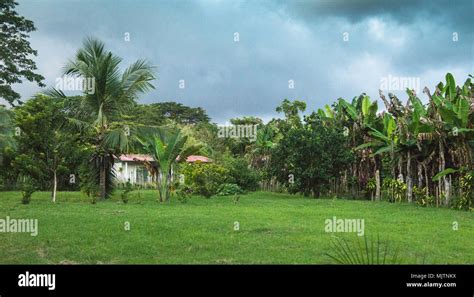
pixel 274 228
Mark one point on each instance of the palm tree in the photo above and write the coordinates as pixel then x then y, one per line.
pixel 100 112
pixel 167 147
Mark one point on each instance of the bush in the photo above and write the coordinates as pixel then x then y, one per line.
pixel 183 193
pixel 27 187
pixel 371 187
pixel 229 189
pixel 204 178
pixel 465 201
pixel 242 174
pixel 126 189
pixel 421 197
pixel 396 188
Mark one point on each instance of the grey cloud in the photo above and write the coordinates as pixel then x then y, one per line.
pixel 302 40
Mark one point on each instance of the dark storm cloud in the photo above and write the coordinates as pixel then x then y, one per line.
pixel 279 41
pixel 403 11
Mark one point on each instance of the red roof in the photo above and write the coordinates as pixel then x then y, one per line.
pixel 136 158
pixel 194 158
pixel 148 158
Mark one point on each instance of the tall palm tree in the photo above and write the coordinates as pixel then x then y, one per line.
pixel 100 112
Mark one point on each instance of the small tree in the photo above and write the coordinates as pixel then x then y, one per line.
pixel 165 146
pixel 310 156
pixel 43 146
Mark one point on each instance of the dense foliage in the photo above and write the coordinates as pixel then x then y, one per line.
pixel 205 178
pixel 15 52
pixel 416 152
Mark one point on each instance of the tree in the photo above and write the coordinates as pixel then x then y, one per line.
pixel 415 143
pixel 166 146
pixel 291 110
pixel 157 114
pixel 309 156
pixel 454 128
pixel 15 52
pixel 43 146
pixel 100 112
pixel 357 118
pixel 7 146
pixel 6 129
pixel 240 145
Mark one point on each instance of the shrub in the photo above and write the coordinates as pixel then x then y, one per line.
pixel 371 187
pixel 27 187
pixel 183 193
pixel 242 174
pixel 204 178
pixel 421 197
pixel 465 201
pixel 126 189
pixel 397 189
pixel 229 189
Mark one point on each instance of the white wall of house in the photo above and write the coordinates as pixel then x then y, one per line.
pixel 131 171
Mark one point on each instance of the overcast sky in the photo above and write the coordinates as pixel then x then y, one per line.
pixel 329 48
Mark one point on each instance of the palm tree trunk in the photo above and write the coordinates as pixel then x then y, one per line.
pixel 102 179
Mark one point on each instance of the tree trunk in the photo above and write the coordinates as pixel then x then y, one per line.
pixel 420 175
pixel 392 161
pixel 448 181
pixel 55 185
pixel 409 180
pixel 163 185
pixel 345 188
pixel 400 168
pixel 377 185
pixel 102 179
pixel 444 181
pixel 427 181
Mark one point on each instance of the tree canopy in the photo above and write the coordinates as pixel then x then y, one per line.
pixel 15 52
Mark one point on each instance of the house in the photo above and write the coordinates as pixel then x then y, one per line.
pixel 130 167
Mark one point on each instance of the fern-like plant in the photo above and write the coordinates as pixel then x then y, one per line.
pixel 363 252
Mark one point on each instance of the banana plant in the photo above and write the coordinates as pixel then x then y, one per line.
pixel 452 117
pixel 384 140
pixel 359 116
pixel 167 148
